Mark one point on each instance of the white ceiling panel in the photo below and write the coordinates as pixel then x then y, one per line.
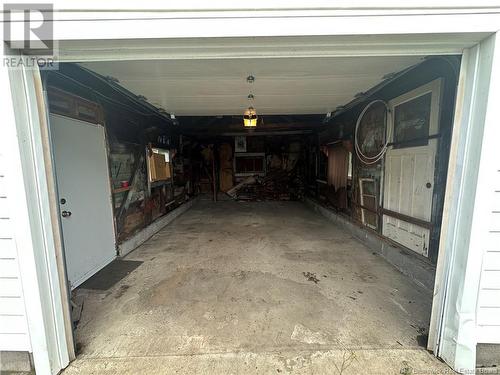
pixel 310 85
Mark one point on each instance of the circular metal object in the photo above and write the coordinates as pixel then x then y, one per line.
pixel 377 155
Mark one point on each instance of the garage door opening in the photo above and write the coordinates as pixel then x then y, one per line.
pixel 250 273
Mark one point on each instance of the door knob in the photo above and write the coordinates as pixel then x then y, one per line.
pixel 66 213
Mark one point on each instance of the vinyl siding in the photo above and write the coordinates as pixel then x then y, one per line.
pixel 14 333
pixel 488 309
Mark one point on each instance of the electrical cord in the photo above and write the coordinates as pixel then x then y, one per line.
pixel 369 160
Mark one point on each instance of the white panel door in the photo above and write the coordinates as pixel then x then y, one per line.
pixel 409 165
pixel 81 164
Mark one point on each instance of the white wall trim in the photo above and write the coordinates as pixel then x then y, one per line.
pixel 459 266
pixel 346 6
pixel 266 47
pixel 136 27
pixel 453 193
pixel 33 226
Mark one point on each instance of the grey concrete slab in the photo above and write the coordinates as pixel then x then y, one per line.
pixel 142 236
pixel 413 265
pixel 255 287
pixel 15 363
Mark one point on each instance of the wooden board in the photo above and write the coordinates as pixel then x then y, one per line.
pixel 226 167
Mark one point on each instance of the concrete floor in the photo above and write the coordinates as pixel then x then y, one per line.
pixel 268 287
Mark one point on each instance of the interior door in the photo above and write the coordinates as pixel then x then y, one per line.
pixel 81 166
pixel 409 167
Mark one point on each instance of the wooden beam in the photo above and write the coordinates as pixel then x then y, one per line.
pixel 409 219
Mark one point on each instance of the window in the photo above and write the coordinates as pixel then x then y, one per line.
pixel 249 164
pixel 411 122
pixel 368 200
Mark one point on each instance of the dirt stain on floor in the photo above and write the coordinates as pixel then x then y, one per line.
pixel 311 277
pixel 122 290
pixel 245 309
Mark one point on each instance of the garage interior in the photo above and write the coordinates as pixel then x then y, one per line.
pixel 303 198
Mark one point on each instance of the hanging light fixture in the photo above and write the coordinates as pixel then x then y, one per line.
pixel 250 118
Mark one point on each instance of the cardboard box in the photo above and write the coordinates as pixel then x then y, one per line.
pixel 158 169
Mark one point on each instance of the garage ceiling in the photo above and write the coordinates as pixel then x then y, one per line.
pixel 312 85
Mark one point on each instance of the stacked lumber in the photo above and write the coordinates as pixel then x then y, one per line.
pixel 236 190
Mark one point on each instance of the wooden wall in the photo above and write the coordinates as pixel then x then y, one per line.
pixel 342 127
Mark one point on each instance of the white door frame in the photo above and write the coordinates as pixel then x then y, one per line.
pixel 348 31
pixel 453 330
pixel 36 220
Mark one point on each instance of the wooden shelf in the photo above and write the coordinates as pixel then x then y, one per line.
pixel 160 183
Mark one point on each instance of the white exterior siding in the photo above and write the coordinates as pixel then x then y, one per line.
pixel 488 309
pixel 14 334
pixel 487 238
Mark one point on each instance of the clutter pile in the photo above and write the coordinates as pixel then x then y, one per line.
pixel 276 185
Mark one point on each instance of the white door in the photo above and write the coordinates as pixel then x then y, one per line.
pixel 81 165
pixel 409 167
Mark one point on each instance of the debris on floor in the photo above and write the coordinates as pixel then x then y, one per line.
pixel 311 277
pixel 233 193
pixel 76 310
pixel 276 185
